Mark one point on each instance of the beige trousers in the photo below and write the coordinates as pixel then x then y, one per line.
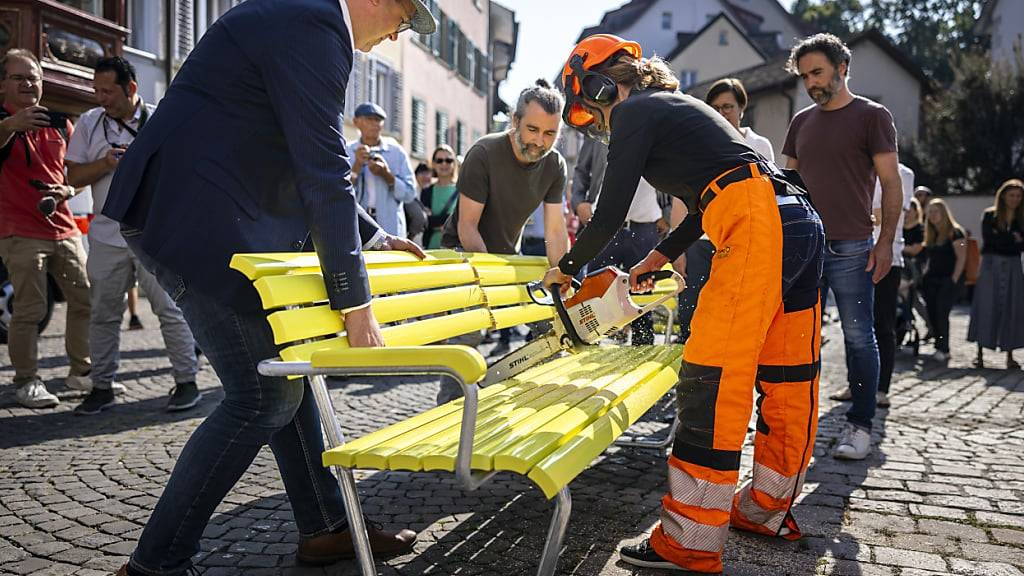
pixel 28 261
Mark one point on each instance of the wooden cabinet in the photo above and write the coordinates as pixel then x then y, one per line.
pixel 68 38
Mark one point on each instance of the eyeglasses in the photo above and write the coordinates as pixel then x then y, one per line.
pixel 724 108
pixel 18 79
pixel 444 161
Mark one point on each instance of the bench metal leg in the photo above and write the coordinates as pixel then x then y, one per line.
pixel 347 482
pixel 556 533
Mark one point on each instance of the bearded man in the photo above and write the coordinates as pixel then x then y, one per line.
pixel 839 145
pixel 507 175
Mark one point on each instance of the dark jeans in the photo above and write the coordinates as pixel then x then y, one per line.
pixel 256 411
pixel 886 312
pixel 628 247
pixel 533 246
pixel 845 274
pixel 698 270
pixel 939 294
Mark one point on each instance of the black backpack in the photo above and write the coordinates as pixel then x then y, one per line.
pixel 6 150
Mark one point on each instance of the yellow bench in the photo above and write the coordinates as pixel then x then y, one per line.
pixel 548 423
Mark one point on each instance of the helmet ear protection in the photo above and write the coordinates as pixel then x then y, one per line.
pixel 593 86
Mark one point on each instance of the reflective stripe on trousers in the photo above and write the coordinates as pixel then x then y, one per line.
pixel 742 333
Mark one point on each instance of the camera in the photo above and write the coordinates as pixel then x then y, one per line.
pixel 57 119
pixel 47 204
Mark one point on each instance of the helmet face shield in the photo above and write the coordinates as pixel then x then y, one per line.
pixel 577 112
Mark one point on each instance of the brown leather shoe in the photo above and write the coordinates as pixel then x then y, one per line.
pixel 330 548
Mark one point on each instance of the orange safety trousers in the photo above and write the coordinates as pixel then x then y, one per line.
pixel 743 337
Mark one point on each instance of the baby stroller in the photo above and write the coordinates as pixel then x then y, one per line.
pixel 906 330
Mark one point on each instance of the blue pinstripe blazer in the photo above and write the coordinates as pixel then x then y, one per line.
pixel 245 154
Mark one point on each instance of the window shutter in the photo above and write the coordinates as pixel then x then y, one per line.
pixel 396 104
pixel 184 29
pixel 419 127
pixel 442 128
pixel 354 94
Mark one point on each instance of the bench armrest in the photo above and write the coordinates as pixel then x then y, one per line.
pixel 462 363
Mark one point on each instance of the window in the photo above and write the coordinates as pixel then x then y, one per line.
pixel 419 127
pixel 435 39
pixel 441 118
pixel 147 22
pixel 666 20
pixel 467 67
pixel 460 138
pixel 374 80
pixel 483 72
pixel 687 78
pixel 424 39
pixel 451 48
pixel 723 38
pixel 94 7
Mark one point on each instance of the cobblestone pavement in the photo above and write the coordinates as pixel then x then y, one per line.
pixel 943 493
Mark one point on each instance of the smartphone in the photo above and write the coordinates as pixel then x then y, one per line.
pixel 57 119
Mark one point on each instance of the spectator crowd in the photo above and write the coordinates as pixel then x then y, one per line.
pixel 895 256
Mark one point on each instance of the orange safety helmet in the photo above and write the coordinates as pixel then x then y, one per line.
pixel 580 83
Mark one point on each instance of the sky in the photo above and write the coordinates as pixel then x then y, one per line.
pixel 547 32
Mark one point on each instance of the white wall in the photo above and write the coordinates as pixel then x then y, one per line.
pixel 968 210
pixel 774 19
pixel 710 59
pixel 768 115
pixel 876 75
pixel 1007 30
pixel 687 16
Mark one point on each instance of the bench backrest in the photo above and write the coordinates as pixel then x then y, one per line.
pixel 416 302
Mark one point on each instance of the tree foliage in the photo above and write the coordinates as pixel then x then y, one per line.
pixel 973 136
pixel 932 32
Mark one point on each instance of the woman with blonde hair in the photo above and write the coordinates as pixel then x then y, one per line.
pixel 997 312
pixel 757 319
pixel 946 257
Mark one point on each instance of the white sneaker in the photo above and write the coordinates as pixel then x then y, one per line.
pixel 35 395
pixel 882 400
pixel 84 384
pixel 941 356
pixel 843 396
pixel 855 443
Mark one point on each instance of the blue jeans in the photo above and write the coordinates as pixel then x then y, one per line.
pixel 256 411
pixel 845 263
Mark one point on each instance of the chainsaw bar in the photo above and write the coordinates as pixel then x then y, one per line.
pixel 524 358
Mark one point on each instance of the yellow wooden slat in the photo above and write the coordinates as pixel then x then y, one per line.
pixel 506 295
pixel 561 466
pixel 569 388
pixel 345 454
pixel 522 314
pixel 411 334
pixel 524 449
pixel 381 456
pixel 463 360
pixel 500 275
pixel 255 266
pixel 405 453
pixel 480 259
pixel 300 289
pixel 314 321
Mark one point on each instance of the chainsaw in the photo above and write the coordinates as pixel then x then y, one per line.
pixel 599 306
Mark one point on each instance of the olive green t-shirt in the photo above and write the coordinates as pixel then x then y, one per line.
pixel 509 191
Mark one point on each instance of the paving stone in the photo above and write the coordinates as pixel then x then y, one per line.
pixel 909 558
pixel 969 568
pixel 943 493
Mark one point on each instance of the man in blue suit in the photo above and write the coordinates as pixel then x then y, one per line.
pixel 245 154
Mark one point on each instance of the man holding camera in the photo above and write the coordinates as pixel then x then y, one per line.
pixel 37 231
pixel 104 134
pixel 381 175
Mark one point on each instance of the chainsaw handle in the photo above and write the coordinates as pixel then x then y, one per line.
pixel 537 288
pixel 655 275
pixel 563 314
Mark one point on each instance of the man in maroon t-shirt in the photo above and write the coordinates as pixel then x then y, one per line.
pixel 38 238
pixel 839 145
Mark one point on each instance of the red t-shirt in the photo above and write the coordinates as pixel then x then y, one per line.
pixel 19 214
